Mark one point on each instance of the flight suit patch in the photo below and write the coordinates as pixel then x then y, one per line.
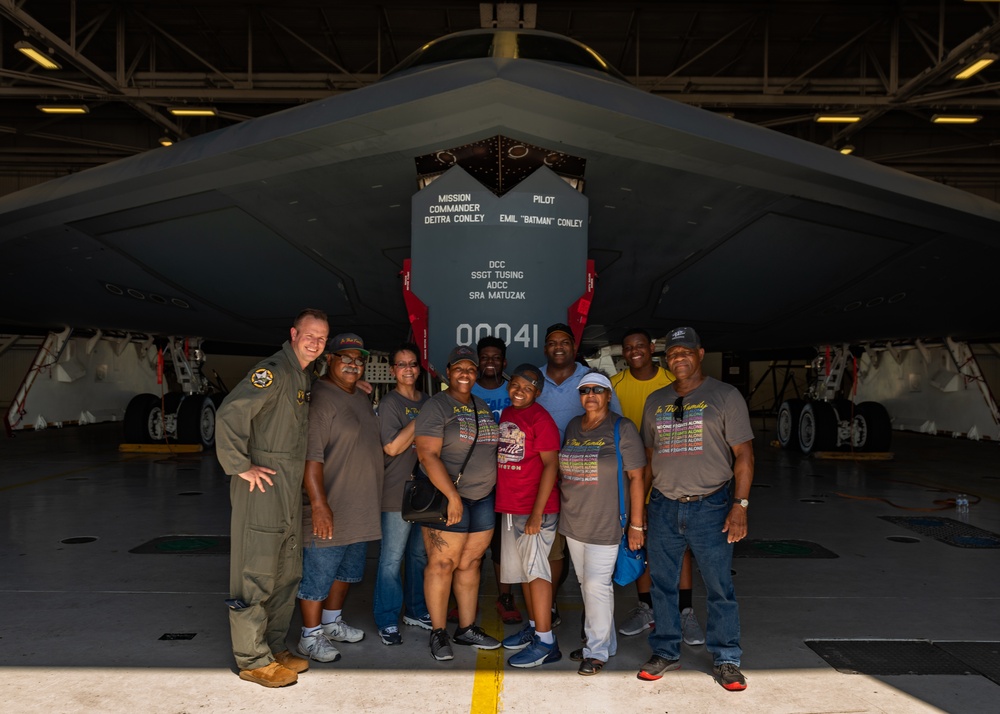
pixel 301 396
pixel 262 378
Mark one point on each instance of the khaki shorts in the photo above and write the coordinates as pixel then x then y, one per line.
pixel 526 557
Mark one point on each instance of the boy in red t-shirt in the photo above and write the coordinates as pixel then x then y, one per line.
pixel 528 501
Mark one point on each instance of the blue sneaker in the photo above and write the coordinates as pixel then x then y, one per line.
pixel 390 636
pixel 424 621
pixel 536 654
pixel 520 639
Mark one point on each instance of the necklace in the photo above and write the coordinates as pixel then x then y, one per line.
pixel 590 427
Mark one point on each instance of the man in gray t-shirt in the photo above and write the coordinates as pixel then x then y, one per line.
pixel 698 438
pixel 343 487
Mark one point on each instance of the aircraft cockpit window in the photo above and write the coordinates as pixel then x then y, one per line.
pixel 449 49
pixel 549 49
pixel 541 46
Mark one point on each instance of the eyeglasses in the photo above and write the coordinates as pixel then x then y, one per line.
pixel 679 409
pixel 405 365
pixel 595 390
pixel 347 359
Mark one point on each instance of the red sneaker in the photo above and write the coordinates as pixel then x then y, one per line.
pixel 508 610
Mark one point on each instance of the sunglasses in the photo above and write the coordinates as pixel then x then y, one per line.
pixel 679 409
pixel 347 359
pixel 595 390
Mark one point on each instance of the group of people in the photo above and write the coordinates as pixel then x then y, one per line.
pixel 531 466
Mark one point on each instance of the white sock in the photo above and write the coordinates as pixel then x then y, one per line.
pixel 546 637
pixel 307 631
pixel 532 623
pixel 330 616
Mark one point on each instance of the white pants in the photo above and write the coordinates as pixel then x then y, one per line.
pixel 594 566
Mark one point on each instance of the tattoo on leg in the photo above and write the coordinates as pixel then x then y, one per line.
pixel 437 540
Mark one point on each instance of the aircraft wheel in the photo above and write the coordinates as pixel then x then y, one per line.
pixel 788 423
pixel 817 427
pixel 871 428
pixel 196 420
pixel 143 420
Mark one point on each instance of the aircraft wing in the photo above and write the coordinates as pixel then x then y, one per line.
pixel 757 239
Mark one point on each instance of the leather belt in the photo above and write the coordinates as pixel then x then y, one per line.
pixel 689 499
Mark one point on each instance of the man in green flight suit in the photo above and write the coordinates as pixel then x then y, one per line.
pixel 261 431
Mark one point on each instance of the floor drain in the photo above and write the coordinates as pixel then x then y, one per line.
pixel 760 485
pixel 76 540
pixel 190 493
pixel 178 635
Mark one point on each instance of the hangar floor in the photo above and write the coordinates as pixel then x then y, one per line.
pixel 83 624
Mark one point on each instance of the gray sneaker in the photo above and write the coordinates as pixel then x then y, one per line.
pixel 475 637
pixel 317 646
pixel 340 631
pixel 440 646
pixel 730 677
pixel 690 628
pixel 641 618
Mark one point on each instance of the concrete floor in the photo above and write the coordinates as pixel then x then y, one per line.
pixel 81 623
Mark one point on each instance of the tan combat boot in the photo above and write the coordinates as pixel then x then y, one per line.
pixel 296 664
pixel 272 675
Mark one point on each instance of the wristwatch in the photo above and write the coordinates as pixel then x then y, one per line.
pixel 741 501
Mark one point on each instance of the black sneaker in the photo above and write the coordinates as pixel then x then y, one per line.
pixel 556 620
pixel 656 667
pixel 473 636
pixel 730 677
pixel 440 646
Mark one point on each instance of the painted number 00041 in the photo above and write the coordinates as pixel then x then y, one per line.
pixel 526 335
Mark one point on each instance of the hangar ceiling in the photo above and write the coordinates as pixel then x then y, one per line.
pixel 776 64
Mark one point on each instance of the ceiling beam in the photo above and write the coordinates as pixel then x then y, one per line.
pixel 29 24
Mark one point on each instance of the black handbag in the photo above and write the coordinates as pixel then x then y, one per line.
pixel 423 502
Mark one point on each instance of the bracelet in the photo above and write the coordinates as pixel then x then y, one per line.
pixel 636 528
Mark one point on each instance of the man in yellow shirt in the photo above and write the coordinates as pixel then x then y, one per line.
pixel 632 386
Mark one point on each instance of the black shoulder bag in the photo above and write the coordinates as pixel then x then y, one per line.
pixel 422 501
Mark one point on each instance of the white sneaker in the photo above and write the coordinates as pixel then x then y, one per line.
pixel 340 631
pixel 317 646
pixel 641 618
pixel 691 629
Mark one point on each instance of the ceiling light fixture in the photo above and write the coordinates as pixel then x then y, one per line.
pixel 836 118
pixel 36 55
pixel 847 149
pixel 192 111
pixel 980 64
pixel 166 141
pixel 64 108
pixel 955 118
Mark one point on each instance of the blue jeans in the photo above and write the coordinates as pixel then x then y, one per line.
pixel 401 541
pixel 673 526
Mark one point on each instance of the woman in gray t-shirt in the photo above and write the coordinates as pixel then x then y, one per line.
pixel 448 426
pixel 588 509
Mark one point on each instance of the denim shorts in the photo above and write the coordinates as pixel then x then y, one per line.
pixel 321 566
pixel 477 516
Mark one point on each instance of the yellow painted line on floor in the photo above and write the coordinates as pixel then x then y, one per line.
pixel 489 667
